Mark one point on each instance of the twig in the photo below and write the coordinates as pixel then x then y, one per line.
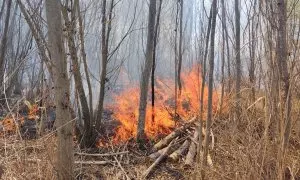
pixel 101 155
pixel 92 162
pixel 157 161
pixel 119 164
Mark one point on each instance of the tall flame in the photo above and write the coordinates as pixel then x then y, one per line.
pixel 127 104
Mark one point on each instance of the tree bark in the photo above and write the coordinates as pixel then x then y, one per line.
pixel 61 89
pixel 237 59
pixel 4 43
pixel 203 75
pixel 146 73
pixel 286 105
pixel 210 81
pixel 87 139
pixel 104 53
pixel 180 47
pixel 154 62
pixel 82 49
pixel 223 55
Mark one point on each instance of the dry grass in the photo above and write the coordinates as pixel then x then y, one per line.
pixel 26 159
pixel 238 153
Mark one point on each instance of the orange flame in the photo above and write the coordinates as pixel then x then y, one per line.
pixel 10 123
pixel 127 104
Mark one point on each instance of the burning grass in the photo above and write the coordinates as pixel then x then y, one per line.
pixel 240 150
pixel 127 103
pixel 237 154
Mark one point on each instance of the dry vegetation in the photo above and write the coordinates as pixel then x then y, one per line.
pixel 237 152
pixel 77 60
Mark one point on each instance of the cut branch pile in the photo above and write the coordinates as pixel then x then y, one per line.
pixel 181 144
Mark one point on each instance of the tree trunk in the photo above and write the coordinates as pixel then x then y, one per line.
pixel 286 105
pixel 203 75
pixel 87 139
pixel 62 91
pixel 154 61
pixel 237 60
pixel 104 52
pixel 176 59
pixel 3 46
pixel 146 73
pixel 223 55
pixel 180 47
pixel 82 49
pixel 2 8
pixel 38 37
pixel 252 34
pixel 210 81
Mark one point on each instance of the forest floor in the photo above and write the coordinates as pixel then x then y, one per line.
pixel 238 153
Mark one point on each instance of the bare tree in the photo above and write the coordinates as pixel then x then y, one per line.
pixel 252 50
pixel 61 89
pixel 203 77
pixel 83 54
pixel 154 60
pixel 210 81
pixel 286 105
pixel 3 46
pixel 106 29
pixel 237 58
pixel 146 72
pixel 86 138
pixel 180 51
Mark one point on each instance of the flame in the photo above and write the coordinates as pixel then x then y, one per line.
pixel 11 122
pixel 126 107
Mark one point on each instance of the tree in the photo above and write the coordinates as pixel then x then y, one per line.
pixel 203 77
pixel 180 51
pixel 210 80
pixel 154 60
pixel 61 89
pixel 87 139
pixel 285 95
pixel 237 58
pixel 3 45
pixel 146 72
pixel 104 54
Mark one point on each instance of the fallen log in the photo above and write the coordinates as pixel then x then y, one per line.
pixel 165 141
pixel 192 150
pixel 157 161
pixel 156 154
pixel 180 151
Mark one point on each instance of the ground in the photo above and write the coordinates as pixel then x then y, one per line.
pixel 236 154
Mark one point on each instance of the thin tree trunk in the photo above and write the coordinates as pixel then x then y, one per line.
pixel 38 39
pixel 146 73
pixel 252 34
pixel 180 47
pixel 104 51
pixel 87 139
pixel 223 55
pixel 203 75
pixel 210 81
pixel 237 59
pixel 154 61
pixel 62 91
pixel 4 43
pixel 176 59
pixel 82 49
pixel 281 58
pixel 2 8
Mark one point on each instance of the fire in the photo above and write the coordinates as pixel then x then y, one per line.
pixel 127 105
pixel 11 122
